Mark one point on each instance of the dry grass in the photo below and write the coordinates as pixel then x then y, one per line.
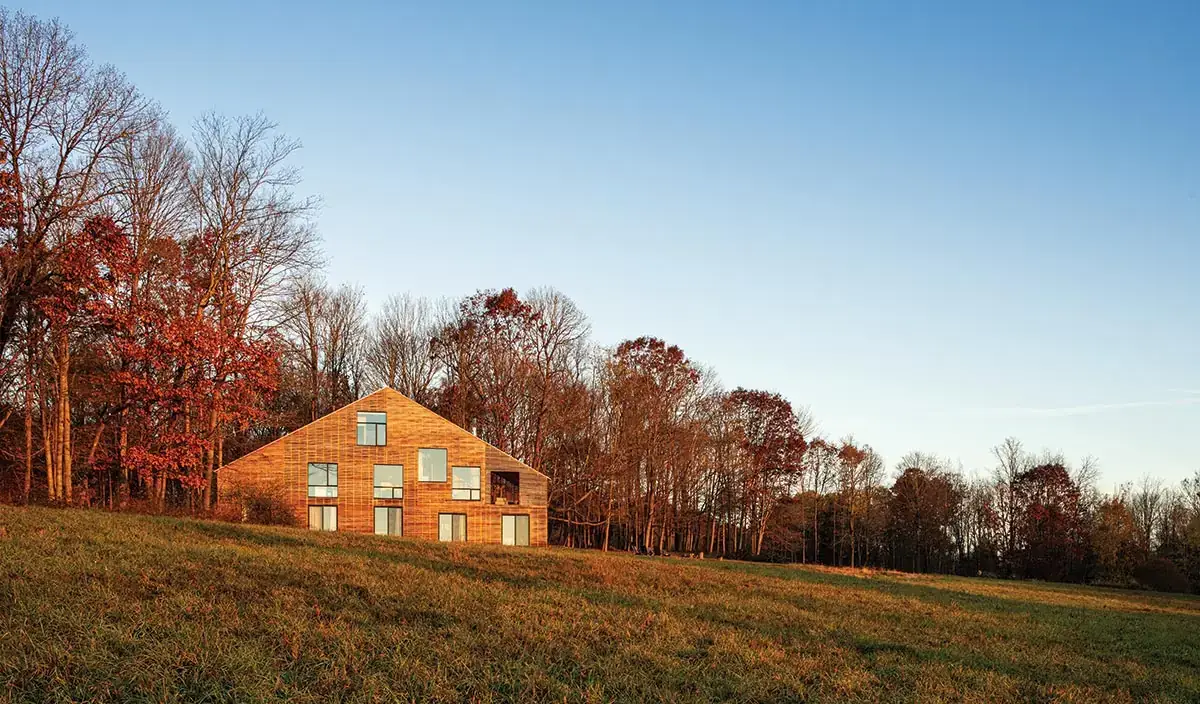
pixel 104 607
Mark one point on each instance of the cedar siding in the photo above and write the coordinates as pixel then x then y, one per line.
pixel 282 466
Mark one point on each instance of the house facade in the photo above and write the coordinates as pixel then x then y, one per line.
pixel 387 465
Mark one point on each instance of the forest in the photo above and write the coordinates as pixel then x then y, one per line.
pixel 163 310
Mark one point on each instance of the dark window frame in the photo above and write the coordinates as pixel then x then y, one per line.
pixel 474 493
pixel 392 492
pixel 464 527
pixel 387 520
pixel 322 507
pixel 374 426
pixel 327 484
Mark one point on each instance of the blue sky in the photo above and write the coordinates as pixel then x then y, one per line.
pixel 934 225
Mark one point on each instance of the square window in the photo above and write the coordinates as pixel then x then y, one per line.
pixel 322 517
pixel 322 479
pixel 465 484
pixel 514 530
pixel 389 481
pixel 389 520
pixel 452 527
pixel 372 428
pixel 431 465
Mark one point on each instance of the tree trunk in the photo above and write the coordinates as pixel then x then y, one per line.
pixel 64 415
pixel 220 463
pixel 91 458
pixel 608 520
pixel 123 488
pixel 28 435
pixel 210 456
pixel 50 446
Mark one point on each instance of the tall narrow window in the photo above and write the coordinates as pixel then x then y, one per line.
pixel 389 520
pixel 431 465
pixel 372 428
pixel 465 486
pixel 322 517
pixel 322 479
pixel 514 530
pixel 389 481
pixel 452 527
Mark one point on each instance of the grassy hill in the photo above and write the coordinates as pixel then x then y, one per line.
pixel 104 607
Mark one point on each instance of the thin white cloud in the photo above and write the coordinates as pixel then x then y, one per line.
pixel 1193 398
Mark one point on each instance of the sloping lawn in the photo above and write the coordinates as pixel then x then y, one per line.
pixel 107 607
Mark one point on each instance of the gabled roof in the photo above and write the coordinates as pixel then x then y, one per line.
pixel 385 391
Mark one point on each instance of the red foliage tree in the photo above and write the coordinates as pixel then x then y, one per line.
pixel 1051 531
pixel 769 435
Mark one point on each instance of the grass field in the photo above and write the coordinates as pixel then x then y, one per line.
pixel 105 607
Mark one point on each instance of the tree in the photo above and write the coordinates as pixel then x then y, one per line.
pixel 1011 462
pixel 152 205
pixel 773 445
pixel 79 277
pixel 1052 537
pixel 924 501
pixel 487 350
pixel 1115 540
pixel 62 121
pixel 1147 504
pixel 343 337
pixel 399 350
pixel 654 391
pixel 254 238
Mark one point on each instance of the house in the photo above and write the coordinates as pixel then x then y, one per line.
pixel 385 464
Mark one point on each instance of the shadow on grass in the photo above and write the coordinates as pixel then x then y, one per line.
pixel 252 534
pixel 1104 637
pixel 392 551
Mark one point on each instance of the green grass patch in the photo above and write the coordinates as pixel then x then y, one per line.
pixel 108 607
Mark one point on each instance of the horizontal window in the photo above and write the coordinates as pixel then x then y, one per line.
pixel 452 527
pixel 389 520
pixel 465 484
pixel 322 517
pixel 322 479
pixel 431 465
pixel 389 481
pixel 372 428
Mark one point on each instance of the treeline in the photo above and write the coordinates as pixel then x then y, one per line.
pixel 163 311
pixel 648 453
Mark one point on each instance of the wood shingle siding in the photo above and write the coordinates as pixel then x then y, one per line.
pixel 282 466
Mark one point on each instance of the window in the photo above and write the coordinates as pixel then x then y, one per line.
pixel 372 428
pixel 431 465
pixel 322 517
pixel 389 481
pixel 389 520
pixel 452 527
pixel 322 479
pixel 465 484
pixel 514 530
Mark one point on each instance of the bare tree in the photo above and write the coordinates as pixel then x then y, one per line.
pixel 343 337
pixel 398 352
pixel 558 340
pixel 1012 461
pixel 1147 503
pixel 254 236
pixel 306 301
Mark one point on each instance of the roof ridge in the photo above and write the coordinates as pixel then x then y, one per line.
pixel 382 389
pixel 315 420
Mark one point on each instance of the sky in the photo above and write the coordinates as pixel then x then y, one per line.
pixel 933 225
